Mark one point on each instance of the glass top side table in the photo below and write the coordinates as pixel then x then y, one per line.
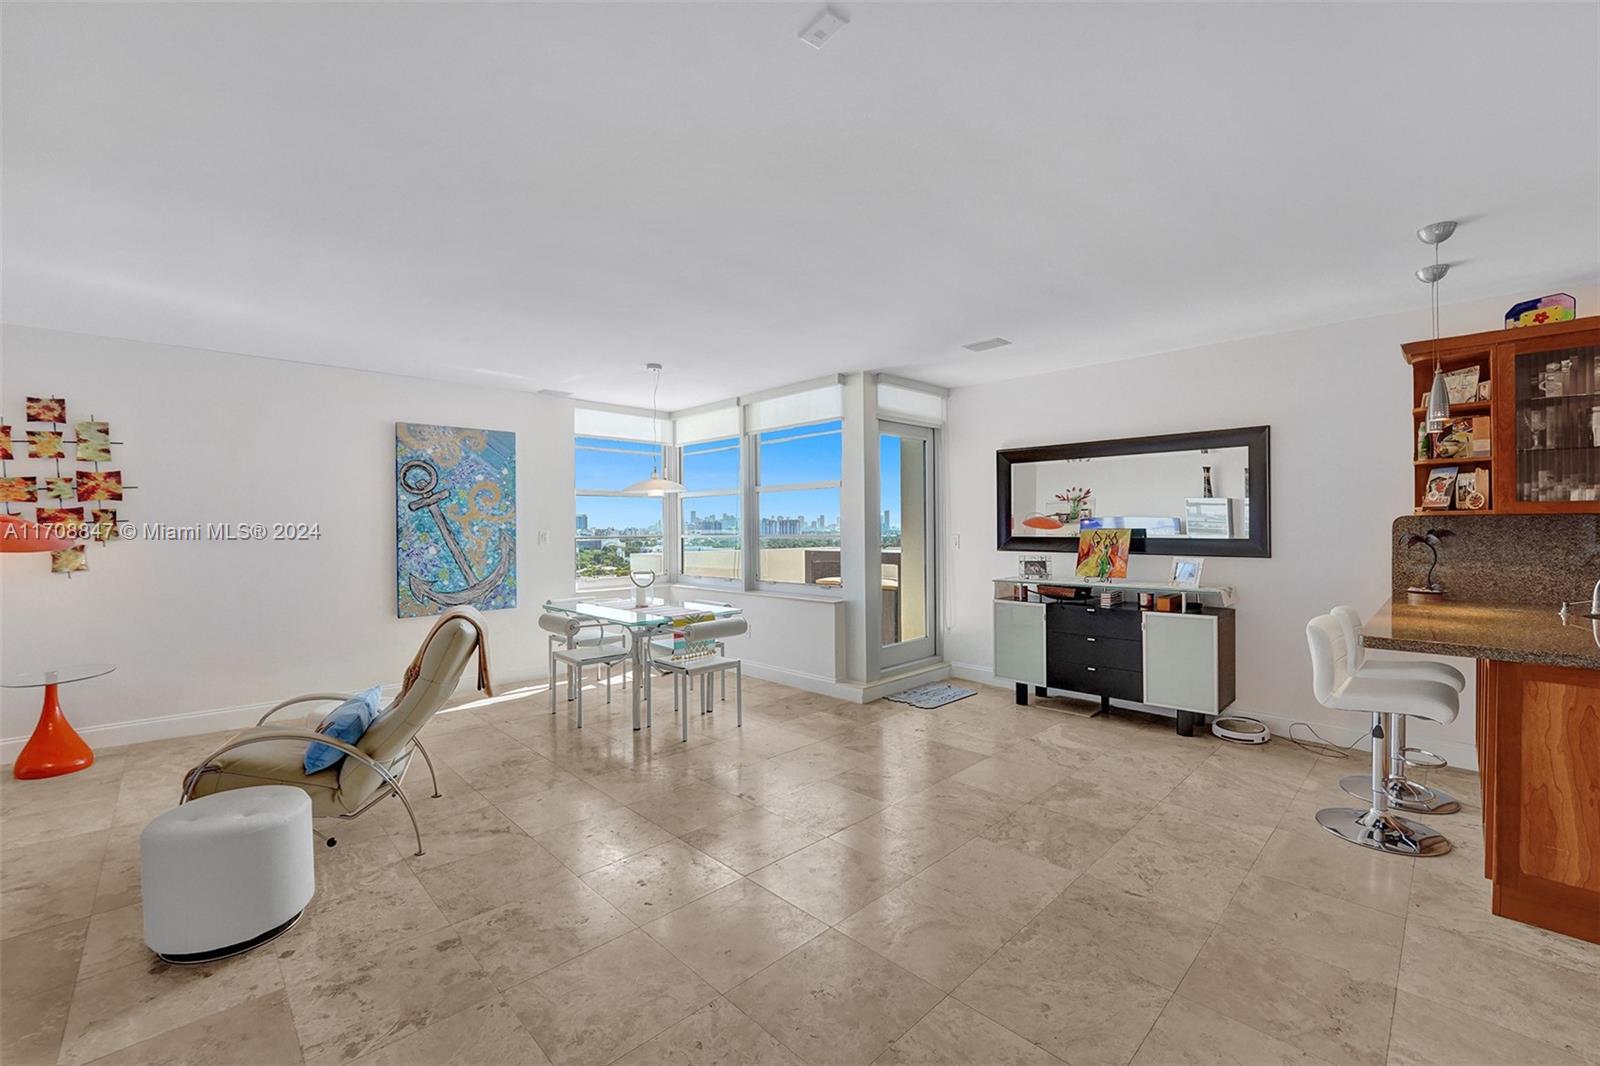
pixel 55 747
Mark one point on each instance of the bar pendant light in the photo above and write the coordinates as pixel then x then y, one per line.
pixel 1436 416
pixel 655 484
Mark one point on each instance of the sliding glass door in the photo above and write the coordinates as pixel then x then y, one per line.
pixel 905 467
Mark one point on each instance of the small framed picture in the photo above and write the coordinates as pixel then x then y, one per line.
pixel 1186 572
pixel 1035 566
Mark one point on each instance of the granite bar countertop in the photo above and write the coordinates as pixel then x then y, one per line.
pixel 1509 632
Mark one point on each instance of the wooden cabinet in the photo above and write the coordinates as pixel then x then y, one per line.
pixel 1540 414
pixel 1539 754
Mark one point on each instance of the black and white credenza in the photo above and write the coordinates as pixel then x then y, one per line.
pixel 1181 660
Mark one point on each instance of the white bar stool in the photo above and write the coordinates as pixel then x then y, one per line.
pixel 1405 794
pixel 1336 687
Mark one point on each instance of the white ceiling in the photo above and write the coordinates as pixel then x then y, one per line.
pixel 548 196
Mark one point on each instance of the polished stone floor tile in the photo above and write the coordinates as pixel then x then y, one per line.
pixel 602 840
pixel 1463 905
pixel 938 935
pixel 1427 1032
pixel 734 932
pixel 115 938
pixel 1144 936
pixel 1183 859
pixel 490 879
pixel 659 879
pixel 834 1002
pixel 1078 1007
pixel 608 1001
pixel 1188 1034
pixel 562 805
pixel 489 1032
pixel 1358 939
pixel 953 1034
pixel 147 998
pixel 718 1034
pixel 258 1031
pixel 825 807
pixel 1013 779
pixel 1323 862
pixel 1322 1009
pixel 1012 886
pixel 345 1007
pixel 1060 839
pixel 690 807
pixel 908 838
pixel 33 1024
pixel 560 921
pixel 44 884
pixel 829 880
pixel 1542 1000
pixel 748 841
pixel 43 959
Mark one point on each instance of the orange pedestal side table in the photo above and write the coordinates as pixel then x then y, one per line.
pixel 55 747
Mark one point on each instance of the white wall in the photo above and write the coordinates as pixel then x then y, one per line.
pixel 1337 399
pixel 198 628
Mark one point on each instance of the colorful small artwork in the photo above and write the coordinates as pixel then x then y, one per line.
pixel 45 444
pixel 64 521
pixel 1103 553
pixel 1440 489
pixel 99 485
pixel 1557 307
pixel 59 488
pixel 94 441
pixel 5 443
pixel 455 518
pixel 103 525
pixel 18 490
pixel 47 409
pixel 70 561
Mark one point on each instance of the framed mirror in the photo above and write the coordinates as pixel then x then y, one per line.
pixel 1181 493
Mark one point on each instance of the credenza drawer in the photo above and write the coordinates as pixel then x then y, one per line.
pixel 1122 623
pixel 1097 651
pixel 1097 680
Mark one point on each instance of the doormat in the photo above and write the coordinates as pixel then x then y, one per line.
pixel 931 696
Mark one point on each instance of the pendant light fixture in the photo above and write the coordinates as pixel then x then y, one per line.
pixel 1436 417
pixel 655 484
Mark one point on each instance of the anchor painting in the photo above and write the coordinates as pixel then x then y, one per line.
pixel 455 518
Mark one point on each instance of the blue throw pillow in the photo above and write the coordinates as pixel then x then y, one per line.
pixel 346 722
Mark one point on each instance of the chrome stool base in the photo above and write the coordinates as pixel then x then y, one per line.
pixel 1382 831
pixel 1404 794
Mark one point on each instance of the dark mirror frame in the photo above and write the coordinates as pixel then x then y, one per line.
pixel 1257 545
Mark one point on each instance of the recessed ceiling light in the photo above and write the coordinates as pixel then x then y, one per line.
pixel 986 346
pixel 822 29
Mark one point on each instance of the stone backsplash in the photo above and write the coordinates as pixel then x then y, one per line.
pixel 1529 559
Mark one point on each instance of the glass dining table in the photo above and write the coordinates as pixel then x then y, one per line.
pixel 657 615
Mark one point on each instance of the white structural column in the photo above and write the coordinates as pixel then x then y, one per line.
pixel 860 529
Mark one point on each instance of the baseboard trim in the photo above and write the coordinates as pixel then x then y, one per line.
pixel 1461 756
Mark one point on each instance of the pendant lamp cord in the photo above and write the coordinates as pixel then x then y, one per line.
pixel 1433 289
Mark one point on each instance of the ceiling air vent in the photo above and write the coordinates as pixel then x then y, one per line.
pixel 987 346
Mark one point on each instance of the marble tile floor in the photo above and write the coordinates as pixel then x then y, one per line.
pixel 831 884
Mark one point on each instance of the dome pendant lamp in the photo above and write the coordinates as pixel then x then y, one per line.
pixel 1437 414
pixel 655 484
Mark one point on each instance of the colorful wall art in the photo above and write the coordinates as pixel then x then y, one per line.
pixel 1103 554
pixel 45 452
pixel 455 518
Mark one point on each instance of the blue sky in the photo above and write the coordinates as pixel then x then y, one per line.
pixel 788 456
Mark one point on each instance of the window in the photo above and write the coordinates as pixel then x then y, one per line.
pixel 616 531
pixel 797 492
pixel 709 543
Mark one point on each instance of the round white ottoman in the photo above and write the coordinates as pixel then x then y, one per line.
pixel 226 872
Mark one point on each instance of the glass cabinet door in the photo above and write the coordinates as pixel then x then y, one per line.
pixel 1558 425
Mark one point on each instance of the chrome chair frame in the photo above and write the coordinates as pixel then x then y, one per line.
pixel 391 782
pixel 620 652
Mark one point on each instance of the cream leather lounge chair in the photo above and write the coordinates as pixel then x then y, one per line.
pixel 374 766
